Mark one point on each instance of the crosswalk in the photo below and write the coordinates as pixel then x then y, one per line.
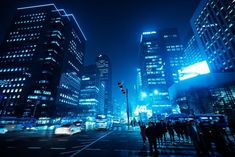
pixel 179 148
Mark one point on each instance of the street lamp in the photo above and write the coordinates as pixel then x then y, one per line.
pixel 143 95
pixel 156 92
pixel 125 91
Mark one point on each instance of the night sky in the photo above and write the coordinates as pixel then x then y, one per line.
pixel 113 27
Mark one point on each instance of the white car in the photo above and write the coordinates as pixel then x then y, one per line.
pixel 3 130
pixel 68 129
pixel 102 126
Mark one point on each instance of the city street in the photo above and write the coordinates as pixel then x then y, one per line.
pixel 117 142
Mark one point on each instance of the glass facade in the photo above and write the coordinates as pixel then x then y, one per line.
pixel 92 95
pixel 160 59
pixel 104 66
pixel 192 53
pixel 41 57
pixel 214 26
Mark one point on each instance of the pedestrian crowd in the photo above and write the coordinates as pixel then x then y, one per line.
pixel 201 135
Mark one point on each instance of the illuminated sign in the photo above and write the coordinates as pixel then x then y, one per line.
pixel 194 70
pixel 147 33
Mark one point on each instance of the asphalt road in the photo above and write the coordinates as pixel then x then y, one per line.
pixel 117 142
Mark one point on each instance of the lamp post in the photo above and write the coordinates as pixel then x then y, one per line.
pixel 125 91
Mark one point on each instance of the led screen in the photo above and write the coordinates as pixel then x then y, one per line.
pixel 194 70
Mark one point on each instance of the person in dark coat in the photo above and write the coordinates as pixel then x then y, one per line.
pixel 163 130
pixel 142 132
pixel 158 132
pixel 151 135
pixel 170 129
pixel 194 135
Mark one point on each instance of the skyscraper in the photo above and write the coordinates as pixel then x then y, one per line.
pixel 41 58
pixel 104 66
pixel 160 59
pixel 92 93
pixel 172 50
pixel 154 85
pixel 214 28
pixel 192 53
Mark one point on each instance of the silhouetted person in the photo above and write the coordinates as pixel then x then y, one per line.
pixel 142 132
pixel 151 135
pixel 194 135
pixel 171 132
pixel 163 130
pixel 178 129
pixel 158 133
pixel 219 140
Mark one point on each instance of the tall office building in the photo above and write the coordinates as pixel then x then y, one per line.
pixel 92 93
pixel 41 58
pixel 104 66
pixel 152 70
pixel 213 24
pixel 117 109
pixel 172 50
pixel 160 59
pixel 192 53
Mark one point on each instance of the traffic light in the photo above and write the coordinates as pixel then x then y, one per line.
pixel 123 91
pixel 120 85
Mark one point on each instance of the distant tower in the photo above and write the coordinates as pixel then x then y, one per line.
pixel 104 66
pixel 91 100
pixel 41 58
pixel 161 56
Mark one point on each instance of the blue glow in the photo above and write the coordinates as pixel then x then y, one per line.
pixel 143 94
pixel 36 6
pixel 156 92
pixel 76 24
pixel 194 70
pixel 59 10
pixel 147 33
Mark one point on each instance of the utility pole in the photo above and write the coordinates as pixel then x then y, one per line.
pixel 125 91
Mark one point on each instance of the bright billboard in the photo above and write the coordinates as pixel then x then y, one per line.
pixel 194 70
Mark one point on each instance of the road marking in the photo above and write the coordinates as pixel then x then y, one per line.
pixel 96 149
pixel 124 150
pixel 43 140
pixel 57 148
pixel 79 146
pixel 11 147
pixel 34 147
pixel 84 140
pixel 62 140
pixel 68 152
pixel 78 151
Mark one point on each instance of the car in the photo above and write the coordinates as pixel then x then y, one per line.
pixel 14 127
pixel 80 124
pixel 3 130
pixel 68 129
pixel 101 126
